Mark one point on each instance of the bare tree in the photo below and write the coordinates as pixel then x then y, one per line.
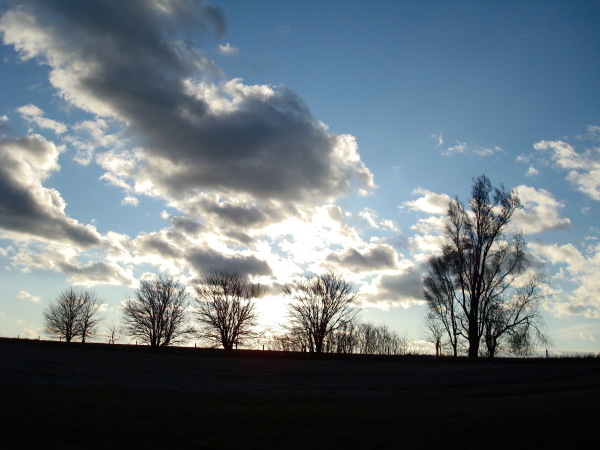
pixel 90 316
pixel 434 331
pixel 157 315
pixel 471 286
pixel 380 340
pixel 74 313
pixel 320 305
pixel 113 332
pixel 226 308
pixel 516 325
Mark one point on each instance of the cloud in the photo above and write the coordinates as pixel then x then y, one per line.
pixel 583 168
pixel 251 173
pixel 540 212
pixel 35 115
pixel 532 172
pixel 27 208
pixel 130 201
pixel 90 136
pixel 375 258
pixel 228 50
pixel 405 289
pixel 65 259
pixel 195 134
pixel 463 148
pixel 581 270
pixel 439 139
pixel 28 296
pixel 429 202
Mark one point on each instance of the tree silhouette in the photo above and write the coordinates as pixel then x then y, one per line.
pixel 320 305
pixel 473 287
pixel 157 315
pixel 226 309
pixel 74 313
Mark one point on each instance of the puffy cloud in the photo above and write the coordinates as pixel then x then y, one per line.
pixel 27 208
pixel 581 269
pixel 130 201
pixel 404 288
pixel 583 168
pixel 540 212
pixel 65 259
pixel 532 172
pixel 33 114
pixel 429 202
pixel 195 134
pixel 374 258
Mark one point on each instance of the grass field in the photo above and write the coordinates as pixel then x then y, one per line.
pixel 99 396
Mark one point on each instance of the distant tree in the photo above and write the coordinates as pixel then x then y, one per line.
pixel 114 332
pixel 346 338
pixel 434 331
pixel 226 308
pixel 472 288
pixel 319 306
pixel 157 314
pixel 74 313
pixel 380 340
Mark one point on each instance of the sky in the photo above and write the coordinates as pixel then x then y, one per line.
pixel 279 139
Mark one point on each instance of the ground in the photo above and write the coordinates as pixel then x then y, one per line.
pixel 55 395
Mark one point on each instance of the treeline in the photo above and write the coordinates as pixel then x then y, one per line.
pixel 351 337
pixel 322 316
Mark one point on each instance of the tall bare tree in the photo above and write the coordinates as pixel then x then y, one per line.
pixel 472 286
pixel 226 308
pixel 74 313
pixel 319 306
pixel 157 314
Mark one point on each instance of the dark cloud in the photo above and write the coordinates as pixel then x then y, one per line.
pixel 380 257
pixel 186 225
pixel 404 288
pixel 224 136
pixel 28 208
pixel 207 260
pixel 157 244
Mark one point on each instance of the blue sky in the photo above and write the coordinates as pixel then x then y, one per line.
pixel 281 138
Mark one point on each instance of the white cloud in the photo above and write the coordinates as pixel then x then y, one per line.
pixel 463 148
pixel 581 270
pixel 28 296
pixel 228 50
pixel 35 115
pixel 429 202
pixel 68 260
pixel 583 168
pixel 540 212
pixel 459 148
pixel 130 201
pixel 532 172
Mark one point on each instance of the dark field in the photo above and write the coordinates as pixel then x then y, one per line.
pixel 57 395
